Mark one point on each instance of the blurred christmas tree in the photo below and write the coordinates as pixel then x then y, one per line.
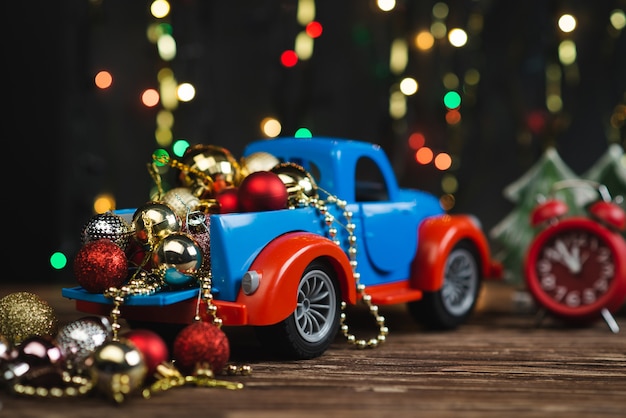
pixel 514 232
pixel 610 170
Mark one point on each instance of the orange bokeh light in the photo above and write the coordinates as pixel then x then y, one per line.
pixel 453 117
pixel 443 161
pixel 150 97
pixel 424 155
pixel 103 80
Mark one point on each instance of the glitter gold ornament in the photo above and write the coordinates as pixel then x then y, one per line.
pixel 25 314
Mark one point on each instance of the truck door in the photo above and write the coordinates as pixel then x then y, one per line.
pixel 389 228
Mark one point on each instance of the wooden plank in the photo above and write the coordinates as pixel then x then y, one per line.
pixel 502 363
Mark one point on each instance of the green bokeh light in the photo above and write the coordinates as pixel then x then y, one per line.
pixel 180 147
pixel 452 100
pixel 303 133
pixel 58 260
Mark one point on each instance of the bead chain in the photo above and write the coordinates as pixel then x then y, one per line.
pixel 77 386
pixel 329 219
pixel 183 167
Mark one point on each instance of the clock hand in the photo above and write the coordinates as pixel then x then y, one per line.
pixel 571 261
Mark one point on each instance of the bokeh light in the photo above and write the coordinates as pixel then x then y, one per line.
pixel 303 133
pixel 179 147
pixel 103 80
pixel 271 127
pixel 186 92
pixel 160 8
pixel 416 140
pixel 314 29
pixel 424 155
pixel 386 5
pixel 58 260
pixel 104 203
pixel 408 86
pixel 289 58
pixel 443 161
pixel 452 100
pixel 150 97
pixel 457 37
pixel 424 40
pixel 567 23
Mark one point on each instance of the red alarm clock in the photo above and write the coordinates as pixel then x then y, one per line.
pixel 575 267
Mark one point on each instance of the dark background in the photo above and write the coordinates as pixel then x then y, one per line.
pixel 67 141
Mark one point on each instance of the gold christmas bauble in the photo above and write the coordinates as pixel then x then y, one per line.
pixel 154 220
pixel 24 315
pixel 299 183
pixel 117 368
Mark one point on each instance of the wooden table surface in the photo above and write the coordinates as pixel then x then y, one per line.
pixel 503 363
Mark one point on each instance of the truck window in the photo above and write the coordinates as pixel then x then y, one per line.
pixel 369 182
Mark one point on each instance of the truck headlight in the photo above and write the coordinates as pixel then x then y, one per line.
pixel 250 282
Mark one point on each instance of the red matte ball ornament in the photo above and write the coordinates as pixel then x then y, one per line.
pixel 99 265
pixel 151 346
pixel 228 200
pixel 201 342
pixel 262 191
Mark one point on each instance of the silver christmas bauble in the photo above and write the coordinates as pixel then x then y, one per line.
pixel 80 338
pixel 107 225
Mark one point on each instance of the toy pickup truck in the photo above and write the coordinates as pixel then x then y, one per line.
pixel 284 273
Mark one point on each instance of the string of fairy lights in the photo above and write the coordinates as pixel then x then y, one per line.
pixel 459 90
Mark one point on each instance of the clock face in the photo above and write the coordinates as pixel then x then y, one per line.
pixel 573 269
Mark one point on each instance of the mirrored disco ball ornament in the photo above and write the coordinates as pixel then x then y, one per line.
pixel 211 169
pixel 299 183
pixel 80 338
pixel 153 221
pixel 107 225
pixel 177 258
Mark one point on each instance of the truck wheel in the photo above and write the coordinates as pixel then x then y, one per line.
pixel 451 305
pixel 313 325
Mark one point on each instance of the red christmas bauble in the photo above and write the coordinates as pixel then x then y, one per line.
pixel 228 200
pixel 201 342
pixel 262 191
pixel 99 265
pixel 151 346
pixel 138 256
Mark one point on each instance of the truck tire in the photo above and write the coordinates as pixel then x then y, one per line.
pixel 312 327
pixel 451 305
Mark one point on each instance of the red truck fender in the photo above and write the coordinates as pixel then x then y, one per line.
pixel 280 266
pixel 437 236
